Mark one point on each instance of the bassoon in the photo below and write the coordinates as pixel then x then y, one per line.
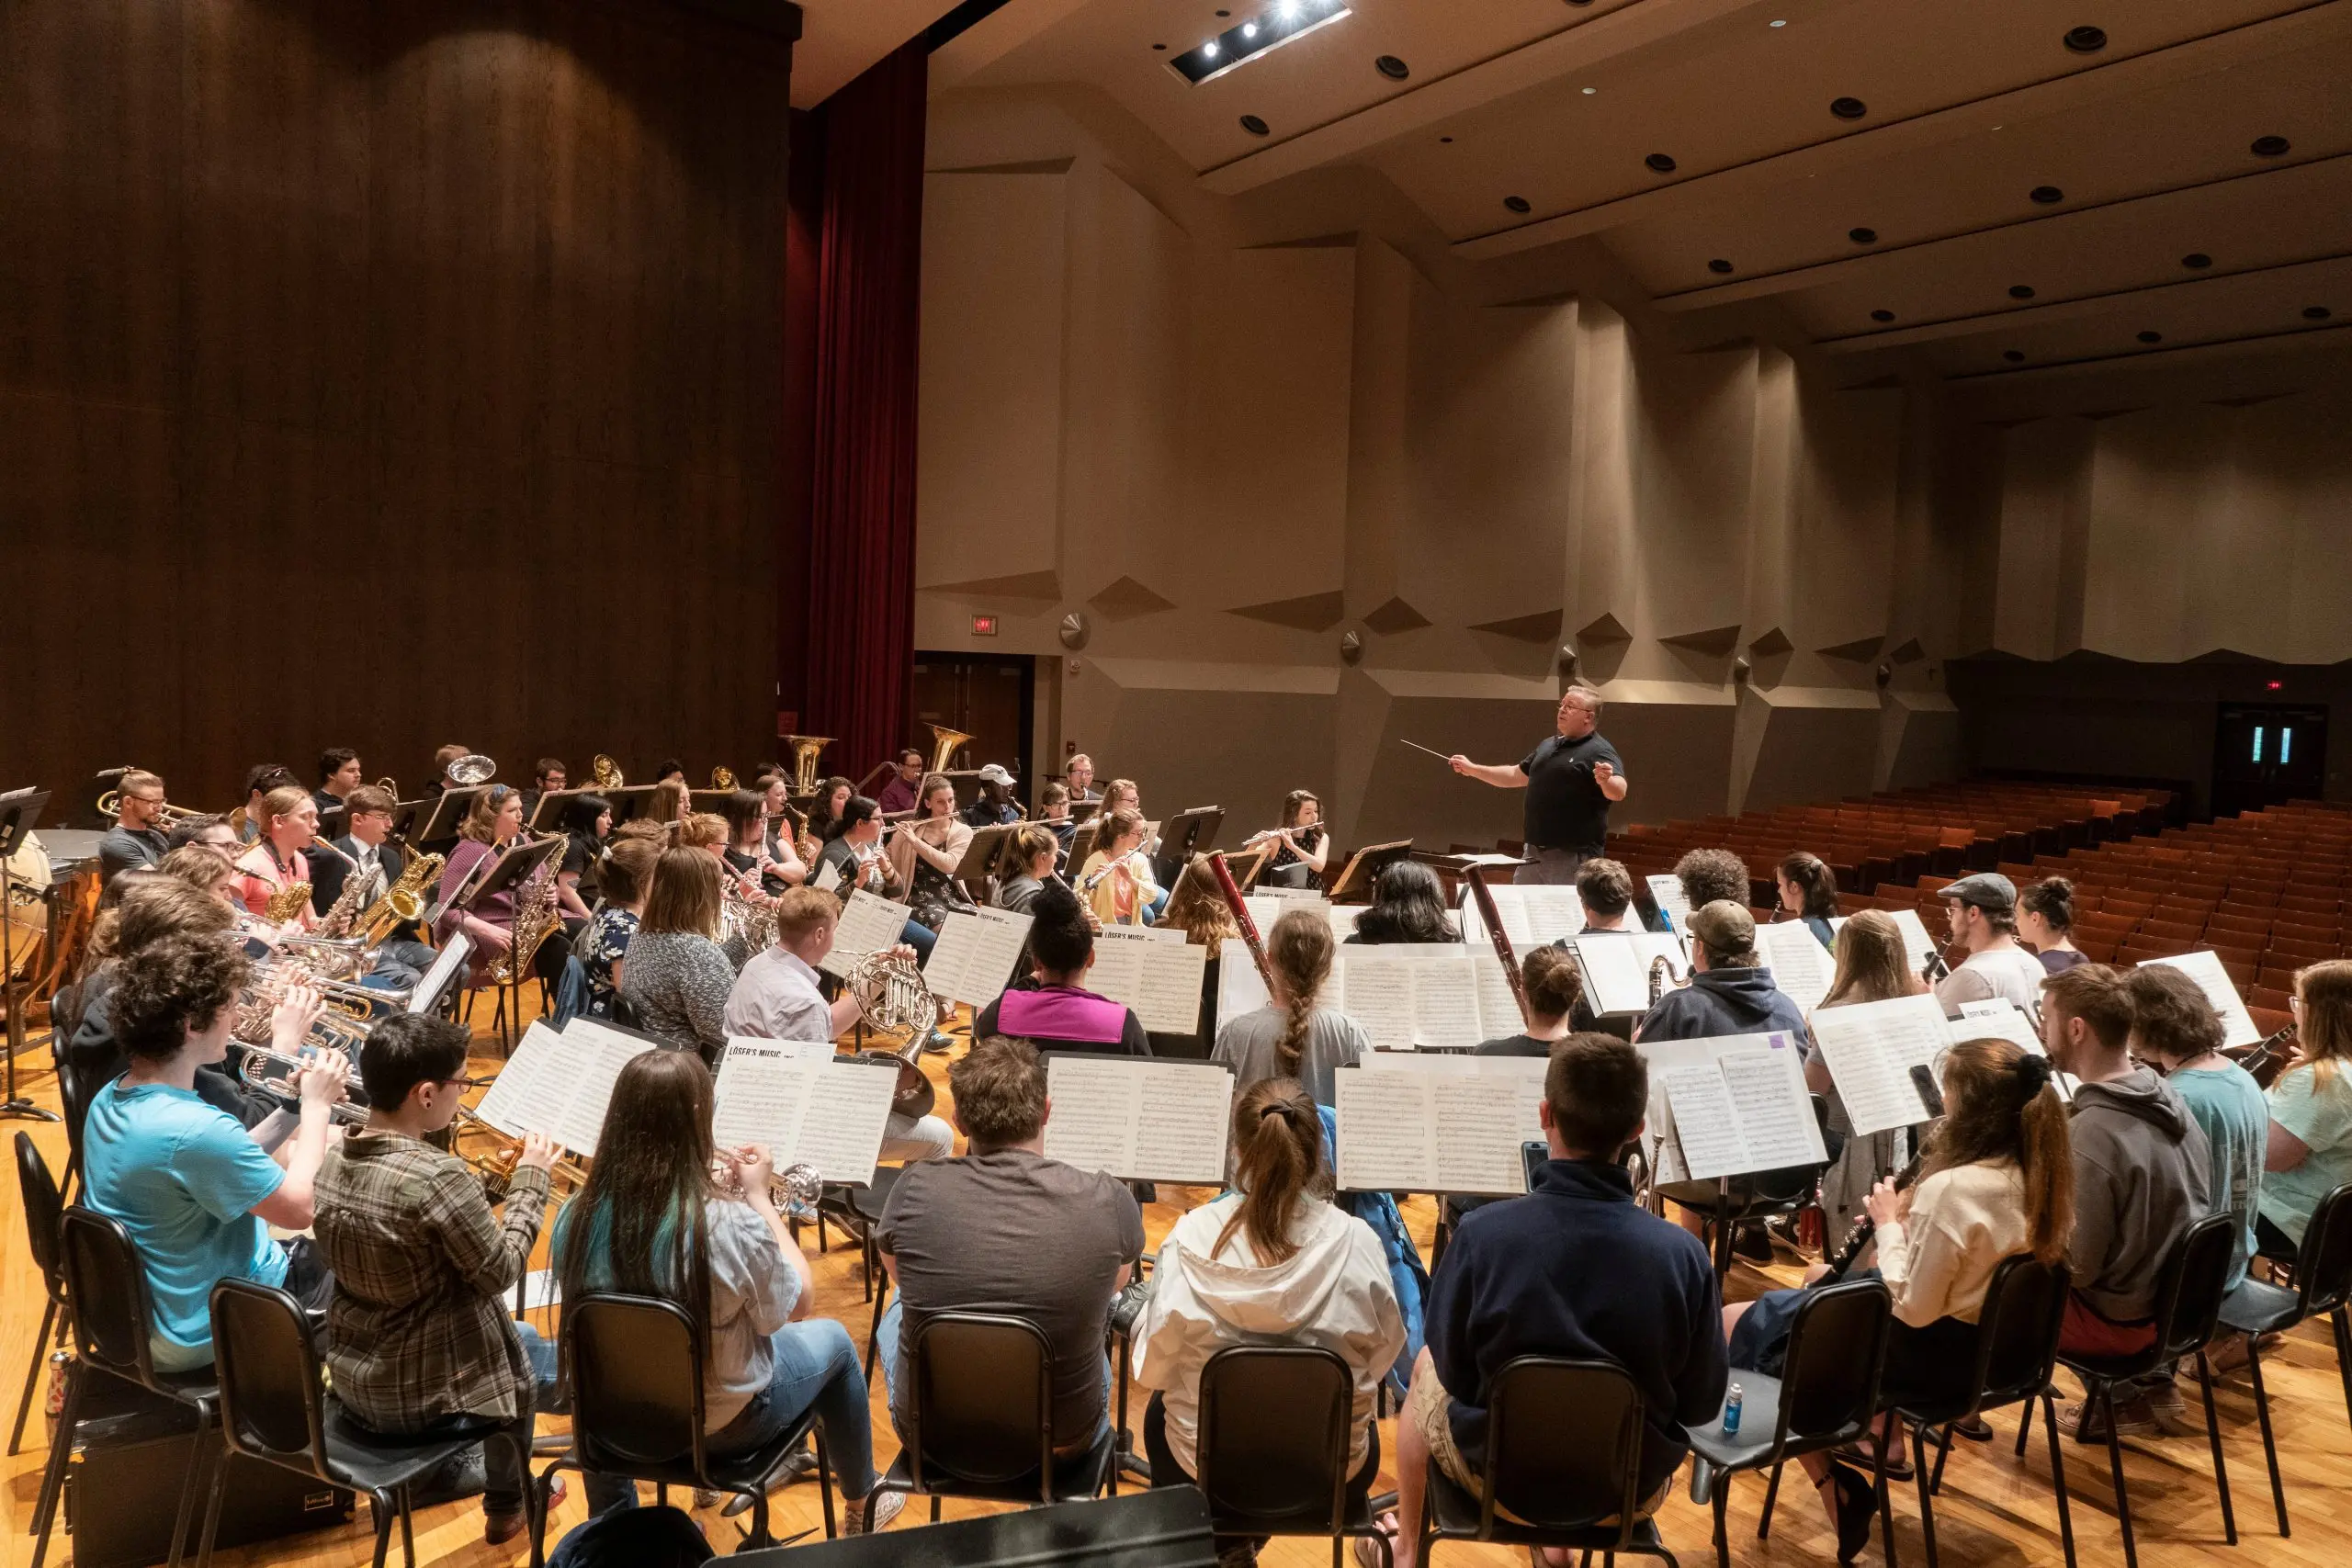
pixel 1476 877
pixel 1231 893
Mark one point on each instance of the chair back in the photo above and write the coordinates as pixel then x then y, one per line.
pixel 982 1409
pixel 2190 1289
pixel 2017 1333
pixel 1836 1351
pixel 1275 1425
pixel 2323 1266
pixel 74 1097
pixel 113 1314
pixel 634 1365
pixel 272 1395
pixel 44 1211
pixel 1563 1444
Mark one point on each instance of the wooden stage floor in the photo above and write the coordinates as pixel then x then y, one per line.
pixel 1994 1510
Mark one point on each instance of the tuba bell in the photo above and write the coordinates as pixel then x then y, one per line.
pixel 605 773
pixel 471 769
pixel 722 777
pixel 806 749
pixel 946 742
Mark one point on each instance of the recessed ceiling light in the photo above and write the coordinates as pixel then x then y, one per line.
pixel 2152 337
pixel 1719 265
pixel 1590 91
pixel 1278 22
pixel 1659 163
pixel 1849 108
pixel 1519 204
pixel 1225 13
pixel 1778 22
pixel 2014 356
pixel 1881 315
pixel 2316 312
pixel 1445 139
pixel 1862 236
pixel 1253 125
pixel 2086 40
pixel 1208 50
pixel 2021 290
pixel 1395 70
pixel 2197 261
pixel 2271 146
pixel 1161 47
pixel 2049 196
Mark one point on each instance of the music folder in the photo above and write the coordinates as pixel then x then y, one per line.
pixel 448 813
pixel 21 812
pixel 515 867
pixel 1139 1120
pixel 1355 878
pixel 1870 1048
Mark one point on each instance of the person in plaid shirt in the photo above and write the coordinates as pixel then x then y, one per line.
pixel 418 1338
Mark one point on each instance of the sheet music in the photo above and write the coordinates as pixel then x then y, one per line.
pixel 760 1097
pixel 2205 967
pixel 1480 1121
pixel 1240 987
pixel 848 1108
pixel 869 922
pixel 528 1093
pixel 1139 1120
pixel 828 876
pixel 1666 893
pixel 1801 969
pixel 1616 968
pixel 1999 1018
pixel 1553 912
pixel 1705 1125
pixel 1438 1123
pixel 1344 917
pixel 975 954
pixel 1916 940
pixel 1387 1141
pixel 1445 1005
pixel 1378 994
pixel 1498 1011
pixel 1775 1109
pixel 1739 1106
pixel 1153 970
pixel 1870 1048
pixel 596 1066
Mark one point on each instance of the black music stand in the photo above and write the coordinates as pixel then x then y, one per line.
pixel 448 813
pixel 1191 831
pixel 1366 863
pixel 628 801
pixel 511 868
pixel 984 856
pixel 19 809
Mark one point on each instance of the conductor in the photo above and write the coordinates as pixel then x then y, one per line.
pixel 1571 780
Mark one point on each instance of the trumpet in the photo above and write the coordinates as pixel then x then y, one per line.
pixel 496 1169
pixel 274 1073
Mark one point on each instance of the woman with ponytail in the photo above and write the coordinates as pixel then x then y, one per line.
pixel 1809 892
pixel 1999 1180
pixel 1291 1037
pixel 1269 1263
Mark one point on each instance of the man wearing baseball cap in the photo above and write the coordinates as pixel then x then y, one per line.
pixel 994 805
pixel 1982 912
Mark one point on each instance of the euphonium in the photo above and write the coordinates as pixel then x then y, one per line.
pixel 402 902
pixel 605 773
pixel 722 777
pixel 473 768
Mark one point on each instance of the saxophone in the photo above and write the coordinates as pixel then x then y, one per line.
pixel 343 912
pixel 402 901
pixel 287 902
pixel 536 919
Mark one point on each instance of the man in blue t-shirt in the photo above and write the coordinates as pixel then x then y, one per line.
pixel 193 1188
pixel 1575 1269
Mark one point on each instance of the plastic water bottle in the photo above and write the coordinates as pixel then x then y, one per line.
pixel 1731 1402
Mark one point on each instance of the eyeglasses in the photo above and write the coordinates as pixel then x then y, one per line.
pixel 466 1083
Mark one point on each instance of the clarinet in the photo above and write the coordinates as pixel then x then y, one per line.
pixel 1932 1097
pixel 1503 954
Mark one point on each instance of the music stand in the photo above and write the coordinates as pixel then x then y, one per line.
pixel 1249 866
pixel 1081 844
pixel 711 800
pixel 1083 810
pixel 19 809
pixel 334 824
pixel 1453 870
pixel 986 851
pixel 628 801
pixel 1366 863
pixel 1191 831
pixel 513 866
pixel 406 813
pixel 448 813
pixel 547 813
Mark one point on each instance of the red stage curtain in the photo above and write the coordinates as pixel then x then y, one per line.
pixel 861 560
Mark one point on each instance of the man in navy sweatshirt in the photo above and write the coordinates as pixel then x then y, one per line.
pixel 1574 1268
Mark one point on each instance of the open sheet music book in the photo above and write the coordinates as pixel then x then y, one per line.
pixel 1616 967
pixel 1433 996
pixel 2205 968
pixel 869 923
pixel 1153 970
pixel 1730 1106
pixel 1870 1048
pixel 975 954
pixel 1531 916
pixel 1802 968
pixel 1414 1123
pixel 1267 905
pixel 559 1085
pixel 1140 1121
pixel 803 1108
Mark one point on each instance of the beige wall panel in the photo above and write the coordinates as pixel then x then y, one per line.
pixel 990 410
pixel 1919 740
pixel 2045 493
pixel 1774 599
pixel 1194 734
pixel 1601 511
pixel 1693 446
pixel 1846 527
pixel 1801 744
pixel 1379 421
pixel 2151 481
pixel 2286 521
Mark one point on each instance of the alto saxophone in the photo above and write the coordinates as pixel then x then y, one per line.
pixel 287 902
pixel 536 919
pixel 402 902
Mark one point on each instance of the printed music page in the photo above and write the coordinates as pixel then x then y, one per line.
pixel 601 1053
pixel 1184 1115
pixel 1481 1120
pixel 1666 893
pixel 975 954
pixel 1498 1012
pixel 760 1097
pixel 1616 974
pixel 1553 913
pixel 1775 1111
pixel 1800 966
pixel 1240 987
pixel 1117 970
pixel 1378 994
pixel 528 1093
pixel 1168 990
pixel 1704 1122
pixel 849 1107
pixel 1661 1138
pixel 1344 917
pixel 1511 903
pixel 869 922
pixel 1870 1048
pixel 1445 1005
pixel 1997 1018
pixel 1916 940
pixel 1386 1134
pixel 2205 967
pixel 828 876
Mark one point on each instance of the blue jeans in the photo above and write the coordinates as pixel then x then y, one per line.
pixel 816 1367
pixel 920 937
pixel 885 1350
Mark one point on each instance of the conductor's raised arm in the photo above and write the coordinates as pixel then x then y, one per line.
pixel 1502 775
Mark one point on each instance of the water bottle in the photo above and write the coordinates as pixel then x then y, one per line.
pixel 1731 1402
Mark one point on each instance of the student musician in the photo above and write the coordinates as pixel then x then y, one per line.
pixel 653 1221
pixel 277 863
pixel 339 774
pixel 1572 778
pixel 492 825
pixel 926 850
pixel 994 805
pixel 259 781
pixel 373 858
pixel 625 877
pixel 2176 1030
pixel 1408 904
pixel 1553 987
pixel 832 798
pixel 1982 910
pixel 418 1338
pixel 898 796
pixel 1034 854
pixel 1060 1014
pixel 1078 777
pixel 1300 845
pixel 209 831
pixel 1998 1181
pixel 2309 1144
pixel 587 825
pixel 2046 923
pixel 1117 880
pixel 855 855
pixel 1871 968
pixel 547 776
pixel 1605 892
pixel 762 867
pixel 1707 875
pixel 1809 893
pixel 444 759
pixel 1197 907
pixel 137 838
pixel 195 1191
pixel 678 977
pixel 1053 815
pixel 788 830
pixel 1291 1036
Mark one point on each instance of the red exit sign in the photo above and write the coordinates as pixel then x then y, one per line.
pixel 984 626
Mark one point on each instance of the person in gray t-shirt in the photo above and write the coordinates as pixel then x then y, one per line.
pixel 1290 1037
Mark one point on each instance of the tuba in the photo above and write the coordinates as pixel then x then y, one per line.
pixel 946 742
pixel 806 749
pixel 722 777
pixel 605 773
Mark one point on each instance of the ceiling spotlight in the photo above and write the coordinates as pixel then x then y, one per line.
pixel 2014 356
pixel 2316 312
pixel 1287 10
pixel 2271 146
pixel 1719 265
pixel 1590 91
pixel 1208 50
pixel 2086 40
pixel 2197 261
pixel 1278 22
pixel 2049 196
pixel 2020 291
pixel 1395 70
pixel 1881 315
pixel 1446 138
pixel 1253 125
pixel 1862 236
pixel 1659 163
pixel 1849 108
pixel 2152 337
pixel 1519 204
pixel 1249 29
pixel 1778 22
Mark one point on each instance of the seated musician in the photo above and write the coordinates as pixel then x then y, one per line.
pixel 1034 854
pixel 204 872
pixel 775 997
pixel 1605 890
pixel 1707 875
pixel 259 781
pixel 717 1246
pixel 1197 907
pixel 854 851
pixel 994 805
pixel 1997 1181
pixel 1053 815
pixel 418 1338
pixel 2141 1176
pixel 1270 1262
pixel 1575 1269
pixel 210 832
pixel 191 1186
pixel 1003 1229
pixel 669 771
pixel 625 875
pixel 788 830
pixel 1300 844
pixel 278 864
pixel 1809 893
pixel 339 774
pixel 442 759
pixel 832 798
pixel 1982 910
pixel 548 775
pixel 670 801
pixel 2045 919
pixel 899 794
pixel 1871 968
pixel 367 813
pixel 1554 988
pixel 677 979
pixel 1121 795
pixel 2310 1146
pixel 587 824
pixel 137 838
pixel 1060 1014
pixel 763 866
pixel 1408 904
pixel 1117 880
pixel 1078 777
pixel 492 825
pixel 1291 1036
pixel 926 850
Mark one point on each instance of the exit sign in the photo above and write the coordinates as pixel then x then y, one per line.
pixel 984 626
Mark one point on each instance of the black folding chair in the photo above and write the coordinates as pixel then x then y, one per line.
pixel 275 1408
pixel 44 1211
pixel 2017 1346
pixel 105 1290
pixel 73 1098
pixel 1276 1422
pixel 2189 1290
pixel 1826 1396
pixel 1563 1453
pixel 2322 1282
pixel 635 1368
pixel 981 1417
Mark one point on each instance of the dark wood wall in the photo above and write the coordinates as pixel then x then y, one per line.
pixel 384 375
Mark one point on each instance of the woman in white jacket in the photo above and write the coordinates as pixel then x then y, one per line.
pixel 1271 1263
